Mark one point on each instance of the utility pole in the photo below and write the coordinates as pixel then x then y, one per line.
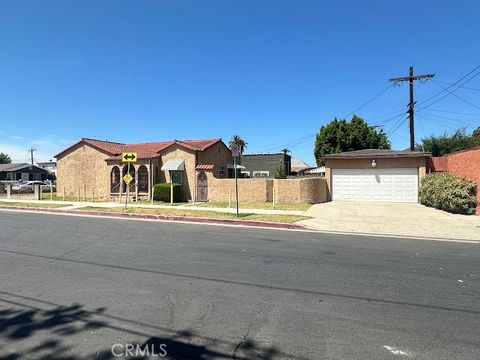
pixel 411 106
pixel 31 154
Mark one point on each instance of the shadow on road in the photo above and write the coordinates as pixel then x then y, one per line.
pixel 57 334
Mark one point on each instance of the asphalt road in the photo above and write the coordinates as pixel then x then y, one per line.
pixel 73 287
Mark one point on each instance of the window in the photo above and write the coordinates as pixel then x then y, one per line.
pixel 245 174
pixel 261 174
pixel 176 176
pixel 142 179
pixel 222 171
pixel 115 180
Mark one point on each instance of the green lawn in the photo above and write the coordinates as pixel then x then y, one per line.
pixel 32 204
pixel 200 213
pixel 248 205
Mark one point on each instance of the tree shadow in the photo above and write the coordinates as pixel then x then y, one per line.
pixel 23 333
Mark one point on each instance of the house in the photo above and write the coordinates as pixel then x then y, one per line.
pixel 94 168
pixel 318 171
pixel 375 175
pixel 298 167
pixel 464 163
pixel 22 171
pixel 50 166
pixel 265 164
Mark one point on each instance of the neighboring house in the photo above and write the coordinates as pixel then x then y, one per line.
pixel 50 166
pixel 95 166
pixel 319 171
pixel 375 175
pixel 265 165
pixel 464 163
pixel 22 171
pixel 298 167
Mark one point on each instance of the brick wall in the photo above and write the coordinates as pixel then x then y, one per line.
pixel 464 164
pixel 307 190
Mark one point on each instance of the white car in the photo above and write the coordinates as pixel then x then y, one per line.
pixel 28 185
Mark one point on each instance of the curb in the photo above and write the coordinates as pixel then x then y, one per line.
pixel 201 220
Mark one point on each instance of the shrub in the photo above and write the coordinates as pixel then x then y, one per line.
pixel 280 174
pixel 161 192
pixel 447 192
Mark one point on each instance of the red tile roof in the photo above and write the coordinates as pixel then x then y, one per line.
pixel 144 150
pixel 205 167
pixel 106 146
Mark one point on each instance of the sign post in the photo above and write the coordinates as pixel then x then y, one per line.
pixel 235 153
pixel 128 157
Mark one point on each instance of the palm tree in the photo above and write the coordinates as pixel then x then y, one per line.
pixel 238 141
pixel 285 150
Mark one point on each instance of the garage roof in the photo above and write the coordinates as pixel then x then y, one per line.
pixel 369 153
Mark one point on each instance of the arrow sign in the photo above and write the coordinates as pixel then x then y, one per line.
pixel 129 157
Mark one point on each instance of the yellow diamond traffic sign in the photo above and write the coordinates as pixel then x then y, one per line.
pixel 129 156
pixel 127 178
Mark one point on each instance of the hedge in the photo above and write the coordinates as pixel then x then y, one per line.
pixel 161 192
pixel 447 192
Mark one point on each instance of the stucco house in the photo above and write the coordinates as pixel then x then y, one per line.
pixel 94 168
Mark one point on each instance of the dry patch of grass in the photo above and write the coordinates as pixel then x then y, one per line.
pixel 246 205
pixel 33 205
pixel 203 214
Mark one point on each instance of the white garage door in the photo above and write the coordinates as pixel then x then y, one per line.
pixel 398 184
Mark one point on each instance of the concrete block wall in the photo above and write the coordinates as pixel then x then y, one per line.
pixel 309 190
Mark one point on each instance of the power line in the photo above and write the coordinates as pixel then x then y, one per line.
pixel 453 112
pixel 411 78
pixel 463 87
pixel 370 100
pixel 452 85
pixel 298 141
pixel 452 93
pixel 437 122
pixel 395 128
pixel 448 88
pixel 463 122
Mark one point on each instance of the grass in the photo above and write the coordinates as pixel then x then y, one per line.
pixel 199 213
pixel 46 196
pixel 32 204
pixel 247 205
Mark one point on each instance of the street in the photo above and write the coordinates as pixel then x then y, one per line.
pixel 72 287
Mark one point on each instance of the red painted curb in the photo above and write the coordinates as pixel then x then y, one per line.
pixel 203 220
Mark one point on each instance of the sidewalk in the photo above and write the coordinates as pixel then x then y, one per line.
pixel 395 219
pixel 69 205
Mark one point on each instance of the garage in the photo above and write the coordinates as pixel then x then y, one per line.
pixel 375 175
pixel 396 185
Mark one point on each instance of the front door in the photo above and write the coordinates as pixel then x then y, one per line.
pixel 202 186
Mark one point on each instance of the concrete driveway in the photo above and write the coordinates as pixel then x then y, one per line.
pixel 392 219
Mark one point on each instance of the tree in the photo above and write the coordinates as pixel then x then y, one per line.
pixel 280 174
pixel 5 159
pixel 446 144
pixel 342 135
pixel 476 133
pixel 285 151
pixel 238 141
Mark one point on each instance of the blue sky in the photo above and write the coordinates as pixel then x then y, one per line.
pixel 271 71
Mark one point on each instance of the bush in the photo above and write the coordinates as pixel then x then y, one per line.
pixel 447 192
pixel 161 192
pixel 280 174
